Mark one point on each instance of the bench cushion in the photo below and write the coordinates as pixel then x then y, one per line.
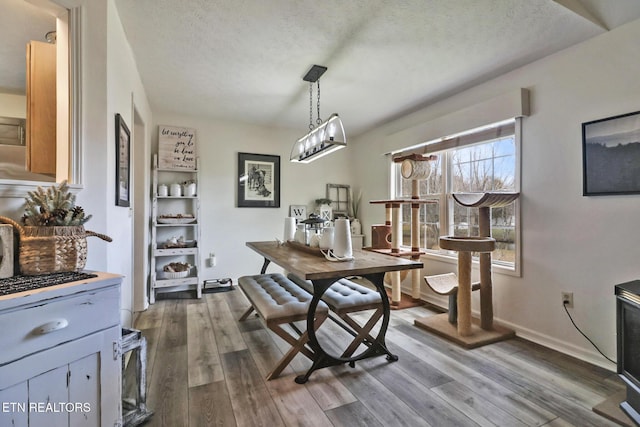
pixel 343 294
pixel 274 296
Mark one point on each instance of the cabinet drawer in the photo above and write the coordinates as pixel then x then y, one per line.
pixel 52 322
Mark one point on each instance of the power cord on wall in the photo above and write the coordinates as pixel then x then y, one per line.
pixel 564 305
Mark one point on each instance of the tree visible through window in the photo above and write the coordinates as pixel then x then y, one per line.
pixel 488 165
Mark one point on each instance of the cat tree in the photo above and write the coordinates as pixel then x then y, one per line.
pixel 415 168
pixel 458 325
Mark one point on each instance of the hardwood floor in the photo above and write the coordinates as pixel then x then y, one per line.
pixel 207 369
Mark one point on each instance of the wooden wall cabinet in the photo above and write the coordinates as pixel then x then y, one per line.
pixel 41 108
pixel 60 363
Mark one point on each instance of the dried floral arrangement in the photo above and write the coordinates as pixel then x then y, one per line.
pixel 53 207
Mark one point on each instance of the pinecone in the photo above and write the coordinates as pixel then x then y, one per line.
pixel 59 215
pixel 47 218
pixel 78 212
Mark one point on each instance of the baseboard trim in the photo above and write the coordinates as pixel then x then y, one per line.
pixel 592 357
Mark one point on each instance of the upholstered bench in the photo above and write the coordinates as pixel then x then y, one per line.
pixel 345 297
pixel 277 301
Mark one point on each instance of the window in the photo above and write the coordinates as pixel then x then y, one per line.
pixel 481 160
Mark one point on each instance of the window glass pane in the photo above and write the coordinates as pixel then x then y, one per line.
pixel 504 164
pixel 481 167
pixel 406 224
pixel 465 221
pixel 503 229
pixel 430 226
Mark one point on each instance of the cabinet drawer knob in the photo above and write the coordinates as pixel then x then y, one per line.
pixel 54 325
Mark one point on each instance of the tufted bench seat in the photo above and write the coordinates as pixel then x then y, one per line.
pixel 345 297
pixel 277 301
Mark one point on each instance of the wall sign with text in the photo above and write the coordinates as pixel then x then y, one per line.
pixel 176 147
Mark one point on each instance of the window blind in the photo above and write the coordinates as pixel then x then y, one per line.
pixel 483 134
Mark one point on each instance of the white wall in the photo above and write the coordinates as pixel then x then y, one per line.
pixel 226 228
pixel 13 105
pixel 584 245
pixel 109 82
pixel 124 93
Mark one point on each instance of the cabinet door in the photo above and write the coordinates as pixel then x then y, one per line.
pixel 41 107
pixel 13 411
pixel 81 381
pixel 84 391
pixel 49 391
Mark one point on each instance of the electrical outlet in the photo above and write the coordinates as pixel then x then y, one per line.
pixel 567 299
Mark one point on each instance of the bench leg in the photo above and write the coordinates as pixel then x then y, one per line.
pixel 246 314
pixel 363 331
pixel 297 346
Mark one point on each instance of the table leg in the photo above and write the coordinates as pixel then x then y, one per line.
pixel 264 266
pixel 378 347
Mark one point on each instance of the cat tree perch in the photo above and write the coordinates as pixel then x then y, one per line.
pixel 458 325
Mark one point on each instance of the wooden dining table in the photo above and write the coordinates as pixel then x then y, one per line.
pixel 311 265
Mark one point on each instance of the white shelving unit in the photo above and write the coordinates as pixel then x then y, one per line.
pixel 161 233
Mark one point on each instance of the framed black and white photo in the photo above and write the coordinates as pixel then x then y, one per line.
pixel 123 165
pixel 611 155
pixel 258 181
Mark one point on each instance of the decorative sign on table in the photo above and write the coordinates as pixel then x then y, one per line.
pixel 176 147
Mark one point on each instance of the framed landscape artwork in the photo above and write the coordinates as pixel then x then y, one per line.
pixel 611 155
pixel 258 181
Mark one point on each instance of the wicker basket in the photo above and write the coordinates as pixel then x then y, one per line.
pixel 44 250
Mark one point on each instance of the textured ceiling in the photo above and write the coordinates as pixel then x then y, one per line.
pixel 243 60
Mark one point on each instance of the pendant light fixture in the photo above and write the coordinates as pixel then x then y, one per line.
pixel 323 138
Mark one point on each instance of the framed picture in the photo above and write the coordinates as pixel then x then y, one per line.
pixel 123 165
pixel 258 181
pixel 611 155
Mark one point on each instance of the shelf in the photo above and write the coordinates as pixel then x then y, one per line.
pixel 403 252
pixel 165 208
pixel 175 197
pixel 402 201
pixel 177 170
pixel 165 283
pixel 175 251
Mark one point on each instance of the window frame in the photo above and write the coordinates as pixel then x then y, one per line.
pixel 446 206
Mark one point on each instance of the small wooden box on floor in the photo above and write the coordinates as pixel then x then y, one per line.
pixel 440 325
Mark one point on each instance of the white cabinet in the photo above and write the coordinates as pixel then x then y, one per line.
pixel 60 365
pixel 175 229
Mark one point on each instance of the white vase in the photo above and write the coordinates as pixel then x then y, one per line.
pixel 326 240
pixel 356 227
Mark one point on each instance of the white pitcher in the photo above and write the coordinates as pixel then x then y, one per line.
pixel 342 247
